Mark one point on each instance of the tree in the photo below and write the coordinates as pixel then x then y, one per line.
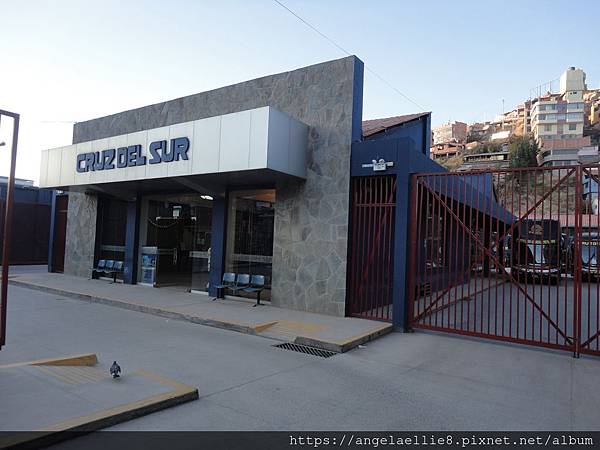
pixel 522 151
pixel 486 147
pixel 491 147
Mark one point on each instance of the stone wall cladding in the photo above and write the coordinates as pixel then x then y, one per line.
pixel 81 232
pixel 311 217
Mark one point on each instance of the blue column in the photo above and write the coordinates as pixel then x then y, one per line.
pixel 400 248
pixel 218 241
pixel 131 242
pixel 51 233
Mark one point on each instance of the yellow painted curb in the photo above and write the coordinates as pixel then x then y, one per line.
pixel 85 359
pixel 89 422
pixel 263 326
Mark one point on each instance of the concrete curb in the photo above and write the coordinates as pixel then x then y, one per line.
pixel 338 346
pixel 343 346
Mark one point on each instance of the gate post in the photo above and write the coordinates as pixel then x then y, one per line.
pixel 577 267
pixel 412 253
pixel 399 313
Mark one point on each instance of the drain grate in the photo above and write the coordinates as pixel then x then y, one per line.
pixel 306 349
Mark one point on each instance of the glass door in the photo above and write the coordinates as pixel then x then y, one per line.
pixel 175 238
pixel 171 228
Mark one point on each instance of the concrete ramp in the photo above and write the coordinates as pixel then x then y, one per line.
pixel 47 398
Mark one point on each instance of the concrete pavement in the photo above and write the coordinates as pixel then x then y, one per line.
pixel 338 334
pixel 414 381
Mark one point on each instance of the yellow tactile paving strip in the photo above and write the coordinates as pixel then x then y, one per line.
pixel 85 359
pixel 289 329
pixel 74 374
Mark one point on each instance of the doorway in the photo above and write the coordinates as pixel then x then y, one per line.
pixel 175 236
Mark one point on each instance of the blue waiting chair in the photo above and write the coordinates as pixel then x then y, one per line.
pixel 227 282
pixel 109 268
pixel 242 282
pixel 257 285
pixel 96 271
pixel 116 270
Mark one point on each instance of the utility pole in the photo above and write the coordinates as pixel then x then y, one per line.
pixel 8 224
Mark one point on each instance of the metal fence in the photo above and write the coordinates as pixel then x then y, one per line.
pixel 509 254
pixel 371 259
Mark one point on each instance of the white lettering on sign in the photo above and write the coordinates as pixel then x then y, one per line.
pixel 379 165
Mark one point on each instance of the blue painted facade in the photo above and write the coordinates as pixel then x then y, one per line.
pixel 407 146
pixel 30 242
pixel 28 194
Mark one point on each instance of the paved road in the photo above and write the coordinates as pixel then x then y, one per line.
pixel 414 381
pixel 496 307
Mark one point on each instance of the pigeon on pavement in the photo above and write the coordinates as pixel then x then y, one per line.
pixel 115 370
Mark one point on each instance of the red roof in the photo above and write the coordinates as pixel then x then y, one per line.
pixel 374 126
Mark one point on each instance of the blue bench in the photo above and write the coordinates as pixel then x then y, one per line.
pixel 251 284
pixel 110 268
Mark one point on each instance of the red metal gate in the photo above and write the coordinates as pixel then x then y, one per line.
pixel 371 259
pixel 508 255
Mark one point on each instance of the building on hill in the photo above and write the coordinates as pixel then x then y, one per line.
pixel 477 161
pixel 592 108
pixel 441 152
pixel 450 132
pixel 478 132
pixel 557 122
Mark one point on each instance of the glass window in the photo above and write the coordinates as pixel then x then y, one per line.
pixel 572 126
pixel 250 225
pixel 112 221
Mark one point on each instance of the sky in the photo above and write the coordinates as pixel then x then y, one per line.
pixel 72 60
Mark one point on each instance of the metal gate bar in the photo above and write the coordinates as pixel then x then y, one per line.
pixel 501 254
pixel 371 249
